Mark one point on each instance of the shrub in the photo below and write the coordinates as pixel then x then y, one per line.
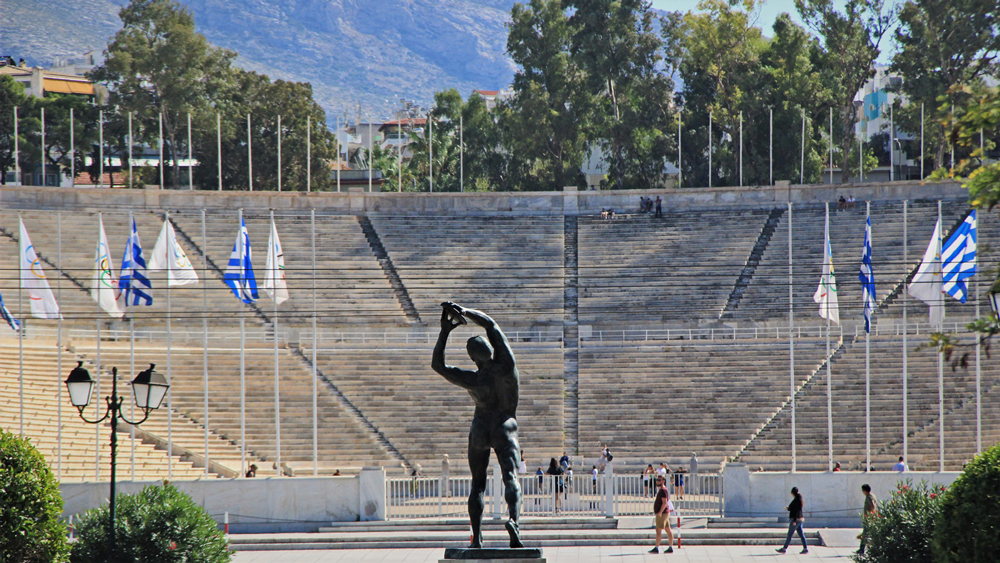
pixel 967 529
pixel 30 505
pixel 160 524
pixel 901 530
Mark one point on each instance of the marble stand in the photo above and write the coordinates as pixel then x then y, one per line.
pixel 465 555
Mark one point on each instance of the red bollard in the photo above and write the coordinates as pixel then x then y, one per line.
pixel 678 532
pixel 226 522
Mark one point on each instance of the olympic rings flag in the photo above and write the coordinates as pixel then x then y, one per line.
pixel 43 303
pixel 104 286
pixel 168 255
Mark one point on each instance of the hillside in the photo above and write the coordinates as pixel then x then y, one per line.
pixel 370 52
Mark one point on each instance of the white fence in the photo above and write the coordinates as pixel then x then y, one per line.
pixel 549 495
pixel 734 333
pixel 328 338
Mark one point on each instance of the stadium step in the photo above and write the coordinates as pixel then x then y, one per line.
pixel 536 532
pixel 388 268
pixel 752 261
pixel 571 336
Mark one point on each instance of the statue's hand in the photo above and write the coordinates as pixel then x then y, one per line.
pixel 452 315
pixel 447 323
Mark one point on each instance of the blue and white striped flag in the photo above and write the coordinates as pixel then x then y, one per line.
pixel 133 282
pixel 14 324
pixel 867 277
pixel 239 274
pixel 959 259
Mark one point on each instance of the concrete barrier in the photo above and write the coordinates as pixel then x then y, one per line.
pixel 831 499
pixel 568 202
pixel 265 505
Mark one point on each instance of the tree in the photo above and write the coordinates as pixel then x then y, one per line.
pixel 11 96
pixel 966 527
pixel 30 505
pixel 851 44
pixel 551 105
pixel 942 43
pixel 158 65
pixel 615 44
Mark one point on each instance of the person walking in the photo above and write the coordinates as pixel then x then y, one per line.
pixel 795 520
pixel 662 507
pixel 870 510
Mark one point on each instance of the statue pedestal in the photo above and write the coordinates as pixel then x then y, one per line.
pixel 499 555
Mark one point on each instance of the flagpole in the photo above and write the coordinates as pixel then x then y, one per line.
pixel 770 144
pixel 461 153
pixel 308 154
pixel 430 145
pixel 249 156
pixel 42 130
pixel 97 406
pixel 190 158
pixel 170 435
pixel 100 150
pixel 17 155
pixel 892 135
pixel 218 143
pixel 399 153
pixel 20 352
pixel 243 392
pixel 831 144
pixel 277 393
pixel 940 354
pixel 979 397
pixel 204 334
pixel 868 427
pixel 338 154
pixel 160 117
pixel 921 141
pixel 791 332
pixel 312 222
pixel 72 150
pixel 129 166
pixel 741 149
pixel 680 169
pixel 370 142
pixel 709 149
pixel 279 154
pixel 131 319
pixel 829 384
pixel 906 269
pixel 59 424
pixel 802 154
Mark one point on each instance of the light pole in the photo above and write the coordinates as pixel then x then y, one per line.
pixel 148 390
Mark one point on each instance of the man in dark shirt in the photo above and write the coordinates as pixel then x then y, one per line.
pixel 661 509
pixel 870 510
pixel 494 389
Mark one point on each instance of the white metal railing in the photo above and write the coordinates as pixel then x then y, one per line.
pixel 884 328
pixel 548 495
pixel 328 338
pixel 727 333
pixel 219 338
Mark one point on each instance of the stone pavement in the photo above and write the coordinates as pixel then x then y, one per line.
pixel 595 554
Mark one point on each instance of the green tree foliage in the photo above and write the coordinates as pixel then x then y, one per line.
pixel 615 43
pixel 159 524
pixel 552 105
pixel 851 41
pixel 157 64
pixel 901 530
pixel 11 96
pixel 967 529
pixel 30 504
pixel 942 43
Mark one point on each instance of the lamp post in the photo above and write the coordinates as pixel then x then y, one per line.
pixel 148 389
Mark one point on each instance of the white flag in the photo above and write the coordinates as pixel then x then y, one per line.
pixel 43 303
pixel 826 293
pixel 274 270
pixel 926 285
pixel 103 285
pixel 181 271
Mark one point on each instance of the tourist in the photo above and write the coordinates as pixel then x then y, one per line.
pixel 841 203
pixel 604 213
pixel 901 466
pixel 659 208
pixel 836 467
pixel 522 467
pixel 870 510
pixel 445 475
pixel 564 461
pixel 647 474
pixel 602 462
pixel 679 483
pixel 593 476
pixel 850 201
pixel 336 473
pixel 795 520
pixel 662 507
pixel 556 472
pixel 252 472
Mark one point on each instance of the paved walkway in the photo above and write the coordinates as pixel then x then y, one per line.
pixel 597 554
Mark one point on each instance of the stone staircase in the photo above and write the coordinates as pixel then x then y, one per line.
pixel 390 270
pixel 752 261
pixel 571 338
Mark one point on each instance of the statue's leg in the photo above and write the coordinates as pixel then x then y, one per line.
pixel 479 461
pixel 507 448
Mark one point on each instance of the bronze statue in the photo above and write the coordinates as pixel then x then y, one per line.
pixel 494 390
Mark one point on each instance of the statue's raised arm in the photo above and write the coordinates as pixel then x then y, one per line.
pixel 501 347
pixel 463 378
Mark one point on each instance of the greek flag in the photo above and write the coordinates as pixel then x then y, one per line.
pixel 14 324
pixel 867 277
pixel 133 277
pixel 959 259
pixel 239 274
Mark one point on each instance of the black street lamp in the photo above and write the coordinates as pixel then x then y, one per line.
pixel 148 389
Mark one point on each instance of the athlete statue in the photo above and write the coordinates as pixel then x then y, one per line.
pixel 494 390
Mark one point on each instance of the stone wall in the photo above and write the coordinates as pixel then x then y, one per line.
pixel 568 202
pixel 276 504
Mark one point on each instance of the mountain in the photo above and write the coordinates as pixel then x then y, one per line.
pixel 367 52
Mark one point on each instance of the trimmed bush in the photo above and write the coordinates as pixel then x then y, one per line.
pixel 967 529
pixel 30 505
pixel 158 525
pixel 901 531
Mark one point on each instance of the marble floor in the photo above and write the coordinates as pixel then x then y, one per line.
pixel 596 554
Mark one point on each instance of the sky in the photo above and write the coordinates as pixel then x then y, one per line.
pixel 768 13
